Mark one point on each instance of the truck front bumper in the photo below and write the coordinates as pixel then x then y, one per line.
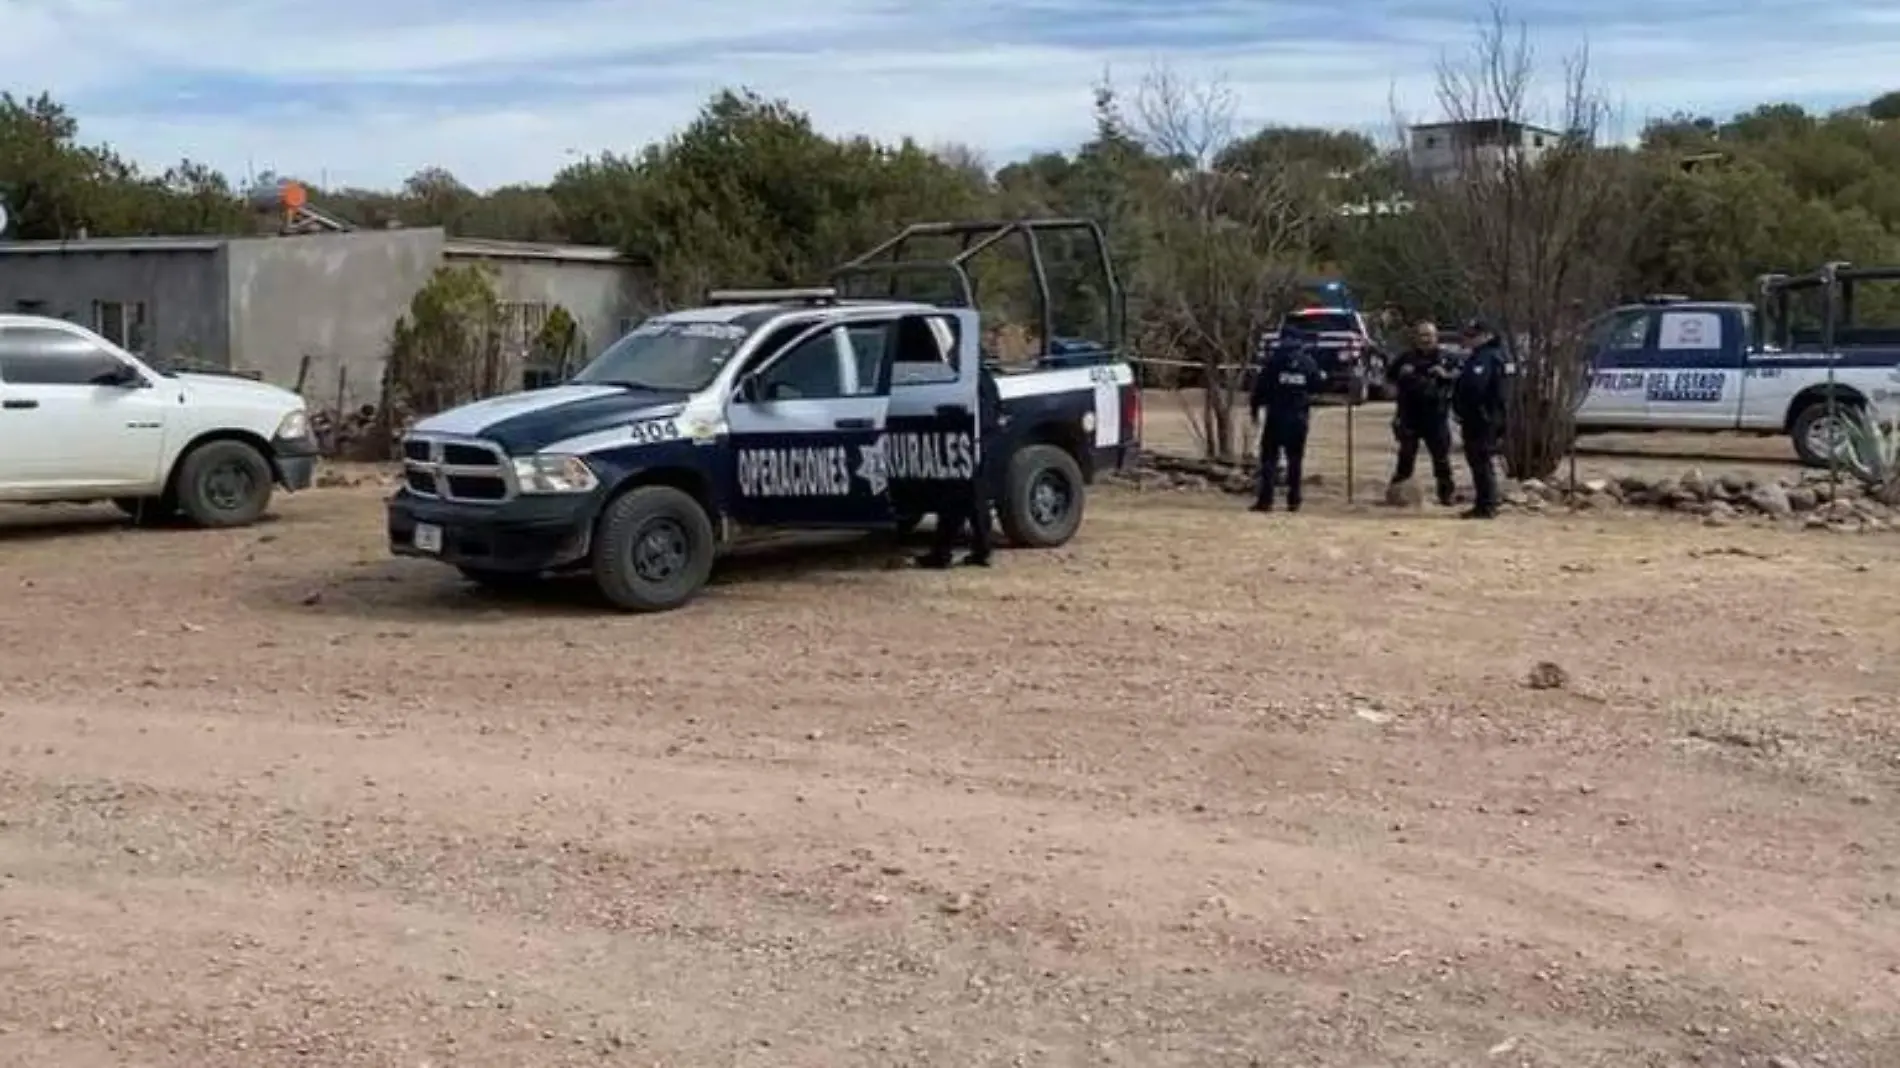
pixel 296 462
pixel 527 534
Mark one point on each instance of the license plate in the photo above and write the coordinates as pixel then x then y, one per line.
pixel 428 538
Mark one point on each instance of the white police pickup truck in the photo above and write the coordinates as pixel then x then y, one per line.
pixel 83 420
pixel 1679 365
pixel 789 410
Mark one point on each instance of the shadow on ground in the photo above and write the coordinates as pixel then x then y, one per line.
pixel 418 591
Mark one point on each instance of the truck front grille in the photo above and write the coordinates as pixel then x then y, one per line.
pixel 474 472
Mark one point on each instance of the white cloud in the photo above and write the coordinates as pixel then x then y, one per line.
pixel 363 92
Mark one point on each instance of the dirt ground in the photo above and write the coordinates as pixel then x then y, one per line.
pixel 1204 788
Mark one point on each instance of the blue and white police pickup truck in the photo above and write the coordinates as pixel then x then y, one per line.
pixel 781 410
pixel 1681 365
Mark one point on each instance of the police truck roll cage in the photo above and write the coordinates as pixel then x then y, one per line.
pixel 1836 281
pixel 974 237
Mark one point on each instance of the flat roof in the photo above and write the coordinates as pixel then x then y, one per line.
pixel 1478 123
pixel 532 250
pixel 454 246
pixel 114 244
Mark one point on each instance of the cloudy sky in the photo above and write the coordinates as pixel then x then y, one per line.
pixel 365 92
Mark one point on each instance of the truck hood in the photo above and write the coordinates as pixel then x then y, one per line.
pixel 230 391
pixel 523 423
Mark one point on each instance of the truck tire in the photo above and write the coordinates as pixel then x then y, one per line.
pixel 1810 430
pixel 223 484
pixel 653 549
pixel 147 511
pixel 1043 497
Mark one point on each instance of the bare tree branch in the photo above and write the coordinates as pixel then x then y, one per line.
pixel 1227 243
pixel 1532 220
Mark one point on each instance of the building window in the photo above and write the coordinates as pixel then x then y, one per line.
pixel 521 323
pixel 1431 142
pixel 120 322
pixel 1537 141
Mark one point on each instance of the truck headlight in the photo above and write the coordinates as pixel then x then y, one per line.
pixel 294 426
pixel 553 473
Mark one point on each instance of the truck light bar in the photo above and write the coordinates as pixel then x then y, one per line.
pixel 805 295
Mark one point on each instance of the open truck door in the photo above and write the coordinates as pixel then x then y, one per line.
pixel 931 443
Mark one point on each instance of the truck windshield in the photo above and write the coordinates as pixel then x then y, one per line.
pixel 671 356
pixel 1322 322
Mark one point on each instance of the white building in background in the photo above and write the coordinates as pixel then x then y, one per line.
pixel 1442 149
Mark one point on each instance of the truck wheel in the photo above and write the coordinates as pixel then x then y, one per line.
pixel 1815 435
pixel 223 484
pixel 147 511
pixel 1043 497
pixel 501 581
pixel 653 550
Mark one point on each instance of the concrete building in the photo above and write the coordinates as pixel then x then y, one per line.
pixel 264 304
pixel 1444 149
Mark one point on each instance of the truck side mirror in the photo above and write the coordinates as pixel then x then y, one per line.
pixel 749 389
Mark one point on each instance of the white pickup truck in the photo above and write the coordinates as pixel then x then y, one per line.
pixel 1681 365
pixel 83 420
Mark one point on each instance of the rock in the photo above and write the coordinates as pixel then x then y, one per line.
pixel 1635 485
pixel 1694 484
pixel 1546 675
pixel 1720 514
pixel 1404 495
pixel 1594 486
pixel 1802 498
pixel 1772 499
pixel 1535 489
pixel 1734 485
pixel 1783 1062
pixel 1668 492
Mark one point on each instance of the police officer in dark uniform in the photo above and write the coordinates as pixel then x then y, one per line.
pixel 1478 400
pixel 1283 392
pixel 1423 375
pixel 970 505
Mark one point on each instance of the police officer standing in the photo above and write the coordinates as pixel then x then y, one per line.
pixel 1478 400
pixel 1423 375
pixel 1280 405
pixel 970 505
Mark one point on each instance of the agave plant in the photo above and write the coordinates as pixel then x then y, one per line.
pixel 1869 449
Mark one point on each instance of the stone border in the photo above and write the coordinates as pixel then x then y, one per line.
pixel 1809 500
